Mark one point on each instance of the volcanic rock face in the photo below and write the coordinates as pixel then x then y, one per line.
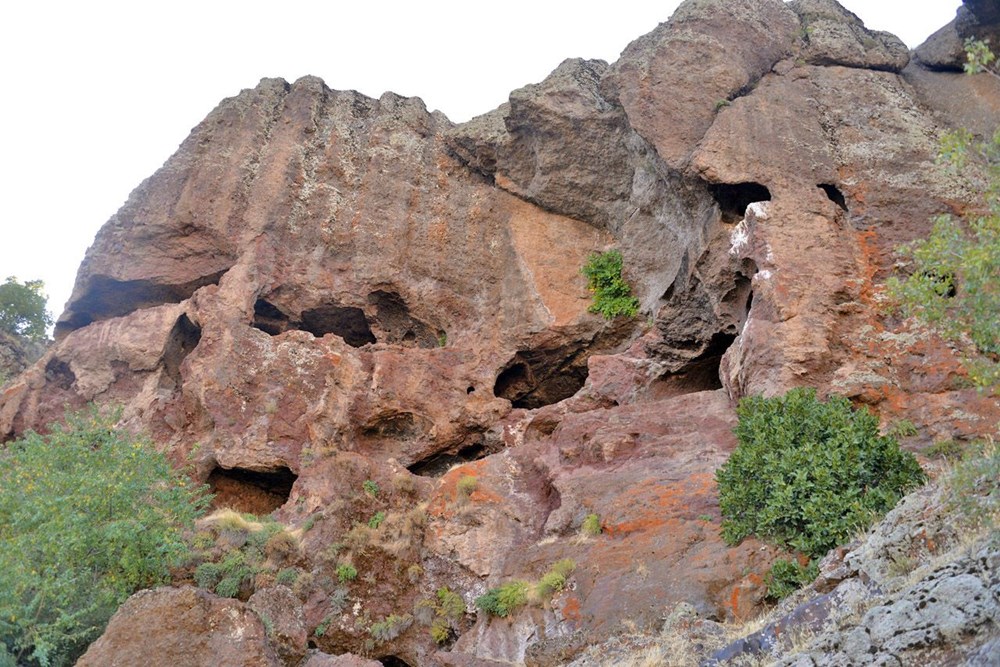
pixel 320 288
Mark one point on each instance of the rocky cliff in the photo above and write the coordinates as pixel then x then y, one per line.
pixel 321 289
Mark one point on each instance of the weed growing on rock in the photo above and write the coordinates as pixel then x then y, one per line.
pixel 371 488
pixel 612 295
pixel 376 520
pixel 902 428
pixel 504 600
pixel 346 572
pixel 390 627
pixel 591 525
pixel 466 485
pixel 786 577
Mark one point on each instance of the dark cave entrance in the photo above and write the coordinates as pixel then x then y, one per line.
pixel 733 198
pixel 438 464
pixel 347 322
pixel 252 491
pixel 393 661
pixel 834 194
pixel 540 377
pixel 184 337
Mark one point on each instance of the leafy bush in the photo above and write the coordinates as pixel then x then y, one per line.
pixel 953 283
pixel 22 308
pixel 504 600
pixel 376 520
pixel 807 473
pixel 450 604
pixel 786 577
pixel 370 487
pixel 612 295
pixel 89 514
pixel 346 572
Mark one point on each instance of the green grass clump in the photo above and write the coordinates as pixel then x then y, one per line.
pixel 612 295
pixel 390 627
pixel 376 520
pixel 807 474
pixel 786 577
pixel 505 599
pixel 591 525
pixel 346 572
pixel 466 485
pixel 370 487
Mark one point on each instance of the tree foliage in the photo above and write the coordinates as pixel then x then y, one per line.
pixel 612 295
pixel 22 308
pixel 89 514
pixel 954 279
pixel 807 473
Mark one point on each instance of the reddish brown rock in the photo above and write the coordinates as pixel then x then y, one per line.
pixel 186 627
pixel 322 289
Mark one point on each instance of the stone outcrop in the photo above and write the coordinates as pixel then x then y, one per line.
pixel 321 289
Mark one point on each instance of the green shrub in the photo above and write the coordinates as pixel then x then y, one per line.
pixel 466 485
pixel 903 428
pixel 440 630
pixel 786 577
pixel 370 487
pixel 450 604
pixel 612 295
pixel 973 488
pixel 390 627
pixel 504 600
pixel 346 572
pixel 89 514
pixel 287 576
pixel 376 520
pixel 591 525
pixel 807 473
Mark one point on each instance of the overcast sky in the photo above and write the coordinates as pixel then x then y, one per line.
pixel 98 94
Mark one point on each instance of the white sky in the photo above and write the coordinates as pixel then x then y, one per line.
pixel 98 94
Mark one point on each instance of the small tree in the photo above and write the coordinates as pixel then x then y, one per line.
pixel 954 281
pixel 22 309
pixel 89 514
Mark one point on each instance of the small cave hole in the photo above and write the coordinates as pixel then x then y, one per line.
pixel 345 321
pixel 470 390
pixel 699 374
pixel 440 463
pixel 393 661
pixel 395 325
pixel 58 373
pixel 834 194
pixel 268 318
pixel 536 378
pixel 184 337
pixel 733 198
pixel 253 491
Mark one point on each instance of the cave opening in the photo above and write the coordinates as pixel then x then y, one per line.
pixel 834 194
pixel 699 374
pixel 183 338
pixel 540 377
pixel 395 324
pixel 269 318
pixel 58 373
pixel 347 322
pixel 393 661
pixel 733 198
pixel 257 492
pixel 105 297
pixel 438 464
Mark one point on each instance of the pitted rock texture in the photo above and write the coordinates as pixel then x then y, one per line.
pixel 182 626
pixel 321 289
